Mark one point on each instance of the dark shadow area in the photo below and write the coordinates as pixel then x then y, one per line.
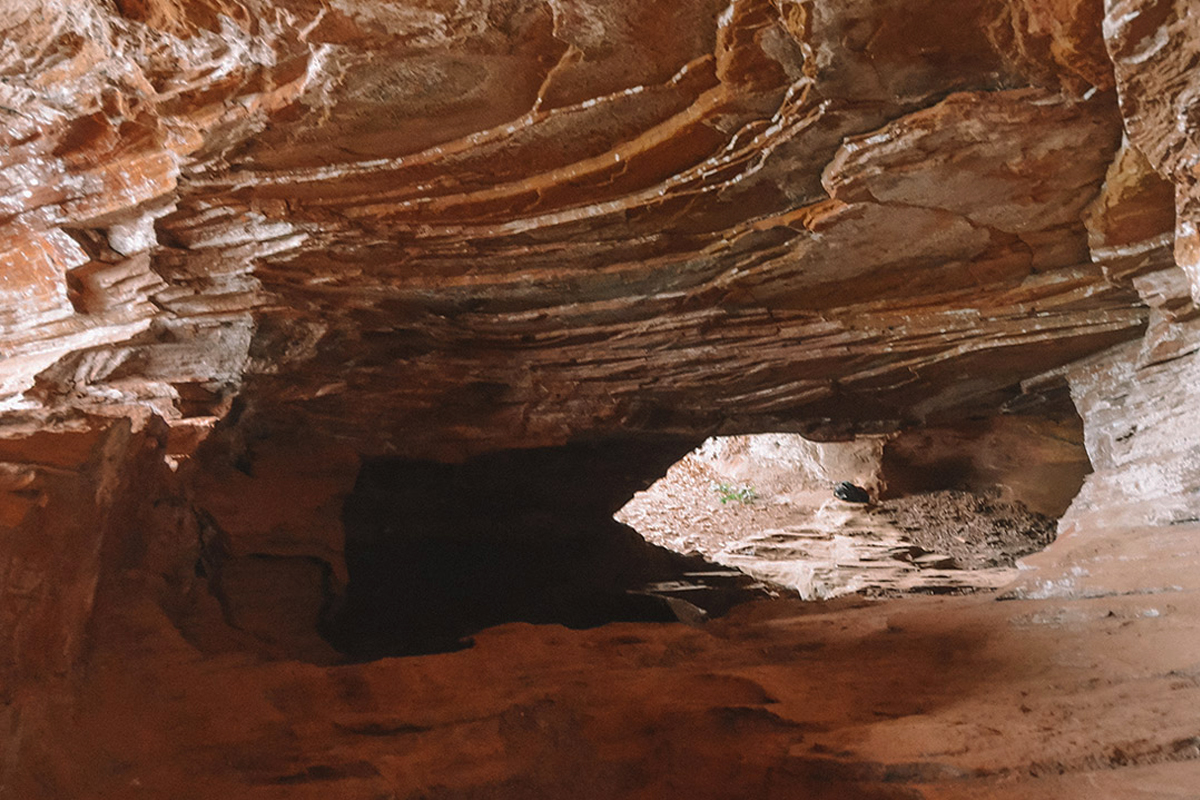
pixel 1034 455
pixel 437 552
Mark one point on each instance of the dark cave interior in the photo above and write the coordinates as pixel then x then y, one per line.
pixel 436 552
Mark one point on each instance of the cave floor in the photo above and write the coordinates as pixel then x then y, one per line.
pixel 1092 695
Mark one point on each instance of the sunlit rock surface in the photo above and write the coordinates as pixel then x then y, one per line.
pixel 247 246
pixel 942 510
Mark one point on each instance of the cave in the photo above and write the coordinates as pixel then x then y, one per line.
pixel 436 552
pixel 334 333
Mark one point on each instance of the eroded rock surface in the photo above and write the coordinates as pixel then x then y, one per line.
pixel 768 505
pixel 434 232
pixel 248 246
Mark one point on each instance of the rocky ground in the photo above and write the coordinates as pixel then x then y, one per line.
pixel 978 530
pixel 773 521
pixel 1062 698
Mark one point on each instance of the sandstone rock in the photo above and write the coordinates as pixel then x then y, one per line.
pixel 335 239
pixel 249 245
pixel 1153 47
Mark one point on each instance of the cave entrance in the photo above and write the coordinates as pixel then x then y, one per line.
pixel 951 507
pixel 437 552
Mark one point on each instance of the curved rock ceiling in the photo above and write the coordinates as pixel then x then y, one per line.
pixel 360 236
pixel 432 229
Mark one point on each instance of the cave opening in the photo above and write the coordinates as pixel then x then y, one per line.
pixel 946 508
pixel 436 552
pixel 622 529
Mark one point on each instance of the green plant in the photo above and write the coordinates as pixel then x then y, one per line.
pixel 740 494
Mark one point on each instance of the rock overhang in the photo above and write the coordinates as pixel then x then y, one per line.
pixel 399 234
pixel 432 233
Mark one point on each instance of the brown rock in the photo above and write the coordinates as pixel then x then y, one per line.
pixel 247 246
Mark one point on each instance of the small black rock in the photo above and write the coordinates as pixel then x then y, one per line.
pixel 850 493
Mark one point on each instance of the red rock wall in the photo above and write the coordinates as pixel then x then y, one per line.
pixel 429 232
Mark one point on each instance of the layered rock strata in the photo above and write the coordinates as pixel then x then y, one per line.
pixel 336 232
pixel 431 234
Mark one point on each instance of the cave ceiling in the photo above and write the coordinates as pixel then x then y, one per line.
pixel 433 229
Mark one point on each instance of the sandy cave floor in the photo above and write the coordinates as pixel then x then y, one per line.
pixel 1080 681
pixel 916 698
